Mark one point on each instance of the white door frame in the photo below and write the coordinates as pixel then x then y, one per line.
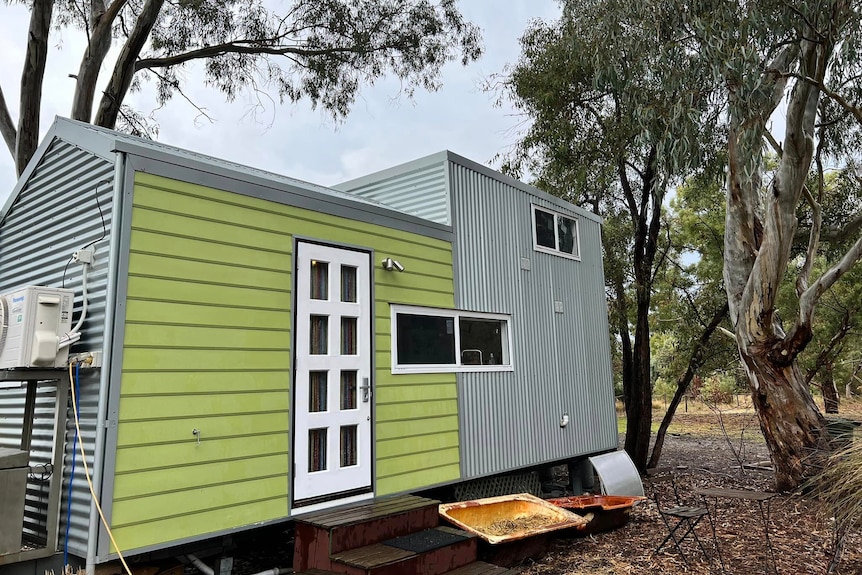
pixel 321 477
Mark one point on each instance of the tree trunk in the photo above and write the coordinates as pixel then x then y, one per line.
pixel 695 361
pixel 639 398
pixel 31 82
pixel 830 392
pixel 101 21
pixel 789 419
pixel 124 69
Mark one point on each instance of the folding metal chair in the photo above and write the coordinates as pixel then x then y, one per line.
pixel 678 517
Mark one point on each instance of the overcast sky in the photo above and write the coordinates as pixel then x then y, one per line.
pixel 383 129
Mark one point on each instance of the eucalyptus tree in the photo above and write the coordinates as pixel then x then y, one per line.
pixel 803 55
pixel 618 114
pixel 320 50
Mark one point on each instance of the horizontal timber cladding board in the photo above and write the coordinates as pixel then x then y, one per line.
pixel 171 267
pixel 140 433
pixel 207 337
pixel 138 408
pixel 134 459
pixel 421 444
pixel 203 475
pixel 207 346
pixel 167 312
pixel 212 520
pixel 186 382
pixel 418 477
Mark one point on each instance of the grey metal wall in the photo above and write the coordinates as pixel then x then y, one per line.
pixel 55 214
pixel 561 361
pixel 421 191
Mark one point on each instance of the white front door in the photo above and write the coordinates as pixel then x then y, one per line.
pixel 332 398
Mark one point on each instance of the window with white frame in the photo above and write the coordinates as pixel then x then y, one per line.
pixel 428 340
pixel 555 233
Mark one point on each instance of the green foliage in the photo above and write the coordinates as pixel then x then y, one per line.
pixel 320 50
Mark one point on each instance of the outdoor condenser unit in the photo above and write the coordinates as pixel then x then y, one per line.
pixel 32 319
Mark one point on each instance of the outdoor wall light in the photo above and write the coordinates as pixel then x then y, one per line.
pixel 389 264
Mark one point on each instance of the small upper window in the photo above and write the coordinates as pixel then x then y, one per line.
pixel 555 233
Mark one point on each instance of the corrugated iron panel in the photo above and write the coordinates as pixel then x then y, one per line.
pixel 55 214
pixel 420 192
pixel 561 360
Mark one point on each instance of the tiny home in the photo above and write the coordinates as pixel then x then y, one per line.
pixel 249 347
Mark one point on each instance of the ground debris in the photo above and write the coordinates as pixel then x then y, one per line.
pixel 801 536
pixel 518 524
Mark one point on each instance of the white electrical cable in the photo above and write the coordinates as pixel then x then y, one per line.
pixel 84 268
pixel 75 334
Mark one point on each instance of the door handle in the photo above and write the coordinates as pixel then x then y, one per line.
pixel 366 390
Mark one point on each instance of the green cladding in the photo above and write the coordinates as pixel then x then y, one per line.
pixel 208 347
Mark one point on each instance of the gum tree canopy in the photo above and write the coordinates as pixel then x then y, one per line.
pixel 323 50
pixel 806 56
pixel 643 77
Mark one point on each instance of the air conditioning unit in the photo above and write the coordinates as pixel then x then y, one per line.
pixel 32 319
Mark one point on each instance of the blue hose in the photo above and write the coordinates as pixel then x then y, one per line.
pixel 74 457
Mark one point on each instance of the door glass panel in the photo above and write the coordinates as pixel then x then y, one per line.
pixel 348 390
pixel 348 283
pixel 319 280
pixel 348 445
pixel 316 449
pixel 317 391
pixel 348 336
pixel 319 335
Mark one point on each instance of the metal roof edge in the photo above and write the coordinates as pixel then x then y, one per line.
pixel 170 160
pixel 399 170
pixel 492 173
pixel 70 131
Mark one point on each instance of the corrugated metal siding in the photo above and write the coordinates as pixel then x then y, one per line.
pixel 55 214
pixel 421 192
pixel 562 361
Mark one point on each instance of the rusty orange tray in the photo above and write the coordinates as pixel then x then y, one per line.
pixel 604 502
pixel 509 517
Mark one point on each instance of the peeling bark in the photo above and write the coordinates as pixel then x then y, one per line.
pixel 789 419
pixel 31 82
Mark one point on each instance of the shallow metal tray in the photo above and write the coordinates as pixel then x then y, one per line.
pixel 479 515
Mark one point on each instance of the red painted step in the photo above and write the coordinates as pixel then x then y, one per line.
pixel 382 559
pixel 324 533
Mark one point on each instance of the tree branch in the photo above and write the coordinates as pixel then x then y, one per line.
pixel 816 222
pixel 809 298
pixel 7 126
pixel 31 82
pixel 98 44
pixel 254 47
pixel 124 69
pixel 824 354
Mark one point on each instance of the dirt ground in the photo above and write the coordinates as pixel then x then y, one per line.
pixel 701 453
pixel 705 447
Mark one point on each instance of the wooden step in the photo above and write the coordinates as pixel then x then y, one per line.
pixel 323 533
pixel 475 568
pixel 482 568
pixel 382 559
